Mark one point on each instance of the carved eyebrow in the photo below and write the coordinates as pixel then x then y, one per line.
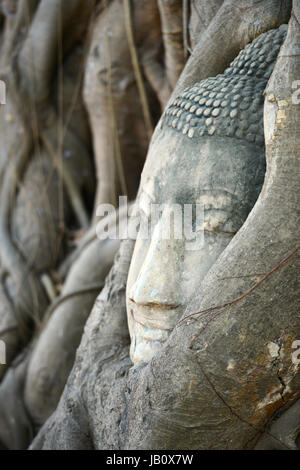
pixel 144 204
pixel 219 199
pixel 144 190
pixel 210 193
pixel 145 183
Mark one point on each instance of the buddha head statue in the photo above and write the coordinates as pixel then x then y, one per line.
pixel 208 152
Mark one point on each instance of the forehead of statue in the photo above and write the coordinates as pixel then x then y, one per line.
pixel 179 169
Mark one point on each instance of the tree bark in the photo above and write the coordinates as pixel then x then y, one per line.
pixel 226 373
pixel 216 375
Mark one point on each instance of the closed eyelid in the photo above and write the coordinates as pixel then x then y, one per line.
pixel 217 191
pixel 216 200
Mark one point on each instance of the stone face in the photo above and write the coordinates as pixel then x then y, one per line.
pixel 223 176
pixel 238 92
pixel 209 152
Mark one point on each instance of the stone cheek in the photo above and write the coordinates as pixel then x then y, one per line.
pixel 230 104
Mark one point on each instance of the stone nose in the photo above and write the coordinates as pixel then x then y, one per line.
pixel 158 282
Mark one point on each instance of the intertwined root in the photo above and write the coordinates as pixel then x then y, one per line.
pixel 39 205
pixel 37 378
pixel 47 181
pixel 54 353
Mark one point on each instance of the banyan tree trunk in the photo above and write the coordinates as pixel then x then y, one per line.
pixel 86 81
pixel 216 375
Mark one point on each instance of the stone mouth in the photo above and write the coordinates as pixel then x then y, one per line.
pixel 155 318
